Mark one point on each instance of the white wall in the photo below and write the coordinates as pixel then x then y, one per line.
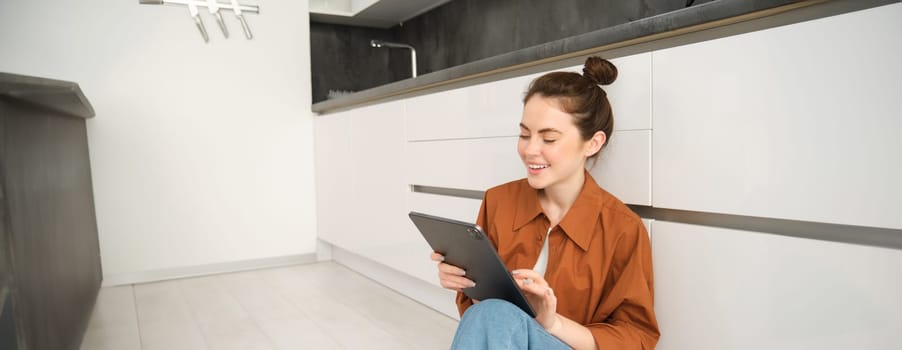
pixel 201 153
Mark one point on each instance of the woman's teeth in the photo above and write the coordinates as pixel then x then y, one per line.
pixel 537 166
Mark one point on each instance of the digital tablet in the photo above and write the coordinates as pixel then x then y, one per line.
pixel 465 245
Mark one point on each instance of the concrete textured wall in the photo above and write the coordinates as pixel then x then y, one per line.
pixel 343 60
pixel 459 32
pixel 463 31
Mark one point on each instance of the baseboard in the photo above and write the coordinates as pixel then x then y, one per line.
pixel 423 292
pixel 323 250
pixel 203 270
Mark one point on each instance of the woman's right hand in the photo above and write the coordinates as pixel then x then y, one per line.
pixel 450 276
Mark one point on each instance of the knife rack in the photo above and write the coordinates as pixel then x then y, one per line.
pixel 214 8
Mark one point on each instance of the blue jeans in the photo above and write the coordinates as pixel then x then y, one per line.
pixel 495 324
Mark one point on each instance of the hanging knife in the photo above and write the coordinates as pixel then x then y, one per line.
pixel 192 8
pixel 213 6
pixel 244 8
pixel 237 9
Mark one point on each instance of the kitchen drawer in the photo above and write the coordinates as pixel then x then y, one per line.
pixel 479 164
pixel 729 289
pixel 797 122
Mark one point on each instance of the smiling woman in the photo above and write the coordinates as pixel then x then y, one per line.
pixel 580 256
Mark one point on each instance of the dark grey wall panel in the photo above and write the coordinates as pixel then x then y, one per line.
pixel 459 32
pixel 463 31
pixel 706 20
pixel 52 250
pixel 343 60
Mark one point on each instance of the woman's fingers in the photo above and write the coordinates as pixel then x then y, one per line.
pixel 452 277
pixel 532 282
pixel 529 278
pixel 451 269
pixel 533 288
pixel 539 295
pixel 527 273
pixel 457 283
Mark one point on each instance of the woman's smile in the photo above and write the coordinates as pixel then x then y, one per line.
pixel 536 169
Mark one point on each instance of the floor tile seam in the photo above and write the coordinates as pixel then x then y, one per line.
pixel 390 291
pixel 257 315
pixel 222 283
pixel 208 292
pixel 371 318
pixel 134 294
pixel 174 309
pixel 191 313
pixel 282 293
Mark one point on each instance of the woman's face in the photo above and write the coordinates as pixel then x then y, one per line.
pixel 550 144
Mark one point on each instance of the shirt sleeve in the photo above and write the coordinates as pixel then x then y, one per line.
pixel 632 323
pixel 463 301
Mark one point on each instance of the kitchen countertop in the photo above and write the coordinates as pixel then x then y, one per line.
pixel 57 95
pixel 676 23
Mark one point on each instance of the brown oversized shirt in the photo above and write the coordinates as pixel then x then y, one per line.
pixel 599 259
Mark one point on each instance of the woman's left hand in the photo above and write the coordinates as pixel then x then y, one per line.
pixel 539 295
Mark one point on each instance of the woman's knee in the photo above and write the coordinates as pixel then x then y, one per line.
pixel 493 324
pixel 494 310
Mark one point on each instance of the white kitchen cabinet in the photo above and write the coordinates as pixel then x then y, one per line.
pixel 333 152
pixel 630 94
pixel 729 289
pixel 363 192
pixel 494 109
pixel 378 164
pixel 624 167
pixel 457 208
pixel 409 252
pixel 479 164
pixel 797 122
pixel 469 164
pixel 361 188
pixel 485 110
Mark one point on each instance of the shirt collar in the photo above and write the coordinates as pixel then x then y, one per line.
pixel 528 207
pixel 578 221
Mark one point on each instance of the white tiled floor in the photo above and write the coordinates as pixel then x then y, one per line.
pixel 316 306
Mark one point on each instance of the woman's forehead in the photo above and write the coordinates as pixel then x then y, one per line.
pixel 545 113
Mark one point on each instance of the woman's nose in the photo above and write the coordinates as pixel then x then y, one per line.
pixel 532 146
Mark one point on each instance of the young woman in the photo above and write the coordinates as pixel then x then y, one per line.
pixel 581 257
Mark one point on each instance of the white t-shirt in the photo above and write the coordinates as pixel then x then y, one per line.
pixel 542 262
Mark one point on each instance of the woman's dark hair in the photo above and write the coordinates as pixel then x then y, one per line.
pixel 581 95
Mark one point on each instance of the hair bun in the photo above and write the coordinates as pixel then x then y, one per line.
pixel 599 70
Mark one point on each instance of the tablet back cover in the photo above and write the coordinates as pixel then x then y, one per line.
pixel 465 245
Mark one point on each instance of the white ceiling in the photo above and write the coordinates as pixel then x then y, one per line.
pixel 369 13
